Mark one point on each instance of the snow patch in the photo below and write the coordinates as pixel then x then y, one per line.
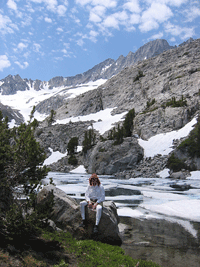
pixel 54 157
pixel 103 119
pixel 79 169
pixel 162 143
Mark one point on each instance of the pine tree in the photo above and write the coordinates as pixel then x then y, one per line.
pixel 5 161
pixel 71 149
pixel 21 160
pixel 28 158
pixel 72 145
pixel 128 123
pixel 118 136
pixel 89 140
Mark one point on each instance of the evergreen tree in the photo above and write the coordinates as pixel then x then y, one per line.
pixel 21 159
pixel 28 158
pixel 118 135
pixel 89 140
pixel 72 145
pixel 128 123
pixel 192 143
pixel 5 161
pixel 51 118
pixel 71 149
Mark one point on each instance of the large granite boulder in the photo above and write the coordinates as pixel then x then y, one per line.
pixel 107 158
pixel 66 215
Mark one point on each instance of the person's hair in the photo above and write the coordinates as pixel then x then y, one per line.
pixel 94 176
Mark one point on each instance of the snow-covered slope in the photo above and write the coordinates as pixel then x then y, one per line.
pixel 24 101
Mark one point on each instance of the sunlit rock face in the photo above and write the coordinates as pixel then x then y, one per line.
pixel 107 158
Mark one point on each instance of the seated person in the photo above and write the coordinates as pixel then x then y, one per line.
pixel 94 195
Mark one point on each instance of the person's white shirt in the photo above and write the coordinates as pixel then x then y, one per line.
pixel 95 192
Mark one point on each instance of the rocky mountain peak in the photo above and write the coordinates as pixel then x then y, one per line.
pixel 104 70
pixel 11 84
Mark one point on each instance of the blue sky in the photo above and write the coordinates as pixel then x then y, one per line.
pixel 41 39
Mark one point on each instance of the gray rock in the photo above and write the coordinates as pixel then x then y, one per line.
pixel 107 158
pixel 178 175
pixel 66 215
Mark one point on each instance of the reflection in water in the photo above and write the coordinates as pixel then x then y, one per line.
pixel 161 241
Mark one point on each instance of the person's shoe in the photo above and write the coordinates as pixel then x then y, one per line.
pixel 83 224
pixel 95 230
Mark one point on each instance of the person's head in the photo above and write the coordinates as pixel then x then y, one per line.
pixel 94 180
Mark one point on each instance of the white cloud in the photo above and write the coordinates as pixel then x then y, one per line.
pixel 134 19
pixel 83 2
pixel 59 30
pixel 66 45
pixel 114 20
pixel 65 2
pixel 99 10
pixel 148 25
pixel 36 47
pixel 192 13
pixel 26 20
pixel 106 3
pixel 22 66
pixel 21 46
pixel 173 39
pixel 182 32
pixel 6 25
pixel 176 3
pixel 156 36
pixel 80 42
pixel 61 10
pixel 27 54
pixel 12 5
pixel 94 17
pixel 133 6
pixel 111 22
pixel 157 13
pixel 97 13
pixel 64 51
pixel 48 20
pixel 93 35
pixel 52 5
pixel 4 62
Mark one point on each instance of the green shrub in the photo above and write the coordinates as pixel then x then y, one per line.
pixel 150 103
pixel 176 103
pixel 192 143
pixel 102 150
pixel 118 135
pixel 175 164
pixel 102 139
pixel 72 145
pixel 139 75
pixel 89 140
pixel 128 123
pixel 73 160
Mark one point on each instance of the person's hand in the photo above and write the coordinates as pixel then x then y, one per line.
pixel 90 205
pixel 95 205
